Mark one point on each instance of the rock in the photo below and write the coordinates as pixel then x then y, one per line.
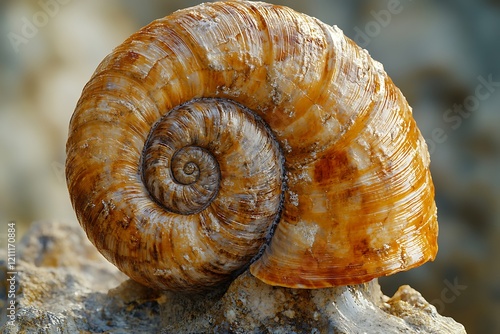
pixel 64 285
pixel 250 306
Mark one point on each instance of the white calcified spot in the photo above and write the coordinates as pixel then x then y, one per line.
pixel 423 152
pixel 198 251
pixel 304 176
pixel 226 182
pixel 360 156
pixel 294 198
pixel 208 25
pixel 162 272
pixel 380 238
pixel 332 125
pixel 105 208
pixel 307 233
pixel 215 226
pixel 230 315
pixel 286 146
pixel 214 61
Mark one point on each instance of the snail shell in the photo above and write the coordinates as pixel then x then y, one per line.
pixel 238 133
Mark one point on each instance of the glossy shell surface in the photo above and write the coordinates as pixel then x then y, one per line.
pixel 239 132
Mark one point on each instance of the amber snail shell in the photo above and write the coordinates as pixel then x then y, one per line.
pixel 236 134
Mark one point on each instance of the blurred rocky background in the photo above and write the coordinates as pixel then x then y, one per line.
pixel 444 55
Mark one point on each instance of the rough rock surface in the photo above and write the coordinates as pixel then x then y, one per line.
pixel 65 286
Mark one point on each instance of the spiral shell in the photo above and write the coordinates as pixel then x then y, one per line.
pixel 238 133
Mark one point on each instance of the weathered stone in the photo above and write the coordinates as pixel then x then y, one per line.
pixel 65 286
pixel 252 306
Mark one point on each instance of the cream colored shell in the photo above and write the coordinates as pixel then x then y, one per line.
pixel 239 132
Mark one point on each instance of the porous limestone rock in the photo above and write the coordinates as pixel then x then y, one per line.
pixel 65 286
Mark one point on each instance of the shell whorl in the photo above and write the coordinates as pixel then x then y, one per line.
pixel 181 143
pixel 200 144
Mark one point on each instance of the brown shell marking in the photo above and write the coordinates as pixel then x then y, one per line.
pixel 354 190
